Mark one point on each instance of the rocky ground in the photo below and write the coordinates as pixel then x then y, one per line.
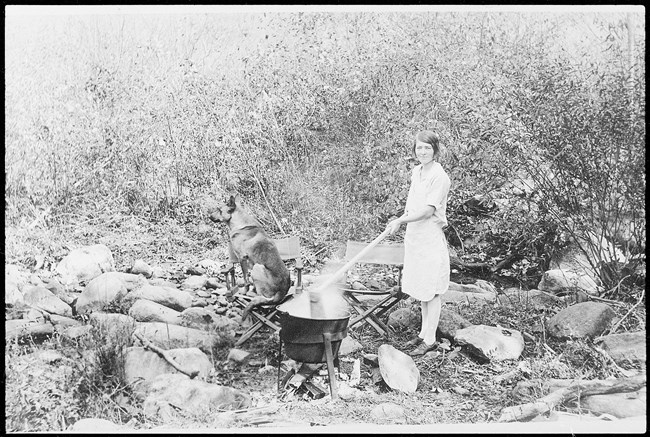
pixel 500 348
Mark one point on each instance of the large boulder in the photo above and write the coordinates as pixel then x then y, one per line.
pixel 22 329
pixel 404 318
pixel 620 405
pixel 170 297
pixel 142 366
pixel 201 318
pixel 112 324
pixel 44 299
pixel 104 290
pixel 582 320
pixel 398 369
pixel 491 342
pixel 174 336
pixel 558 281
pixel 191 396
pixel 625 347
pixel 86 263
pixel 450 322
pixel 144 310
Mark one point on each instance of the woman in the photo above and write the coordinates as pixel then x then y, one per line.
pixel 426 257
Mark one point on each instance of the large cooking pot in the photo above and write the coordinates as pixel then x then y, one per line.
pixel 303 337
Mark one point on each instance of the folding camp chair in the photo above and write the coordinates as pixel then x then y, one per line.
pixel 267 315
pixel 384 254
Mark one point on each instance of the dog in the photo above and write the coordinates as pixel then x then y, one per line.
pixel 257 254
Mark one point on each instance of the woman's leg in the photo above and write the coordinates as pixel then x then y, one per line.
pixel 433 309
pixel 425 318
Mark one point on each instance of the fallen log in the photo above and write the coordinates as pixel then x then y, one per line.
pixel 166 356
pixel 574 390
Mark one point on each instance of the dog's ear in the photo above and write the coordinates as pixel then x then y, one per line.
pixel 232 203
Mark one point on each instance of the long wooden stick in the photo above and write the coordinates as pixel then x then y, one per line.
pixel 530 410
pixel 334 277
pixel 165 354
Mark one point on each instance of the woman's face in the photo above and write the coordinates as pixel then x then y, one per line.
pixel 424 152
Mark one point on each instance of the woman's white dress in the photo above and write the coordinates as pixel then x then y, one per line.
pixel 426 257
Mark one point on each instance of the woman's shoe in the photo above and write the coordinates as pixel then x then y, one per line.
pixel 422 349
pixel 414 342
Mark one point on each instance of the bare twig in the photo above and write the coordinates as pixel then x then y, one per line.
pixel 165 354
pixel 615 327
pixel 575 389
pixel 268 205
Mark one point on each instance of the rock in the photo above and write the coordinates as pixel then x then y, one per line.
pixel 100 293
pixel 86 263
pixel 202 318
pixel 404 318
pixel 238 356
pixel 92 426
pixel 516 297
pixel 20 329
pixel 587 319
pixel 140 267
pixel 625 347
pixel 63 322
pixel 214 283
pixel 558 281
pixel 371 360
pixel 50 356
pixel 174 336
pixel 398 369
pixel 452 296
pixel 144 310
pixel 349 346
pixel 74 332
pixel 195 270
pixel 491 342
pixel 572 259
pixel 203 294
pixel 112 325
pixel 170 297
pixel 480 287
pixel 105 290
pixel 59 291
pixel 210 266
pixel 15 281
pixel 450 322
pixel 388 411
pixel 142 366
pixel 199 302
pixel 619 405
pixel 44 299
pixel 158 272
pixel 192 396
pixel 194 282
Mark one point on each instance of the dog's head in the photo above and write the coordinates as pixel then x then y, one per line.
pixel 223 212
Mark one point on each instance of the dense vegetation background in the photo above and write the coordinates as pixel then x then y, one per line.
pixel 310 116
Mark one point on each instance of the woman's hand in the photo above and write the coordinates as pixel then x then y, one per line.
pixel 393 226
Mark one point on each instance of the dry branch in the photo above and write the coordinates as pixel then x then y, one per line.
pixel 574 390
pixel 165 354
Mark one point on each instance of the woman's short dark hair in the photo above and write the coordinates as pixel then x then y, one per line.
pixel 429 137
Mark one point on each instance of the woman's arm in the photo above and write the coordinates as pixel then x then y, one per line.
pixel 424 213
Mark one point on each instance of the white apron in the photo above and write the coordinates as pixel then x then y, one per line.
pixel 426 257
